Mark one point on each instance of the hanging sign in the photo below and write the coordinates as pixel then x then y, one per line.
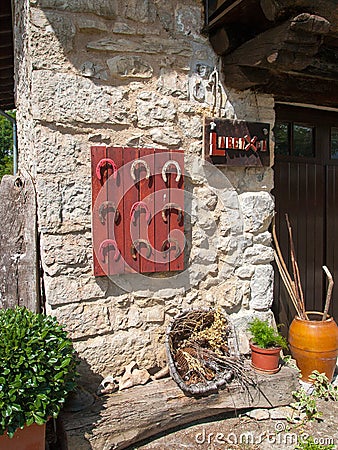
pixel 236 143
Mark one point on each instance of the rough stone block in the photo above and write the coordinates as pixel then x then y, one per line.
pixel 69 252
pixel 258 254
pixel 150 45
pixel 70 98
pixel 155 314
pixel 105 8
pixel 257 209
pixel 140 10
pixel 90 25
pixel 153 110
pixel 188 20
pixel 166 136
pixel 108 354
pixel 65 289
pixel 262 288
pixel 59 153
pixel 127 66
pixel 86 319
pixel 51 40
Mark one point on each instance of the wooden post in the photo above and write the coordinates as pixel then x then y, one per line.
pixel 18 243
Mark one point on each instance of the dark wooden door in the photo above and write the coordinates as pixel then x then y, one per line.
pixel 306 188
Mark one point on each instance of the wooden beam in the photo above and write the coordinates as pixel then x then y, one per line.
pixel 290 46
pixel 298 87
pixel 129 416
pixel 275 9
pixel 220 41
pixel 19 283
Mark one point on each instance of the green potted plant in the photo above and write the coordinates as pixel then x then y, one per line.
pixel 37 371
pixel 265 344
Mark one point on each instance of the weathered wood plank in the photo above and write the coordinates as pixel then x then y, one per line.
pixel 290 46
pixel 18 236
pixel 274 9
pixel 130 416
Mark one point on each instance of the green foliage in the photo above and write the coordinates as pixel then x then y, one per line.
pixel 37 368
pixel 306 404
pixel 265 336
pixel 6 145
pixel 322 387
pixel 310 444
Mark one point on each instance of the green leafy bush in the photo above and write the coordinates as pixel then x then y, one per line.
pixel 264 335
pixel 37 368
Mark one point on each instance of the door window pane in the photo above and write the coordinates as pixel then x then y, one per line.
pixel 303 141
pixel 334 143
pixel 281 131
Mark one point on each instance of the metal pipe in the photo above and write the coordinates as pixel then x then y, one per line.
pixel 15 140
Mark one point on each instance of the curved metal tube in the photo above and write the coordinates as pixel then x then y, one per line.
pixel 137 205
pixel 169 163
pixel 103 211
pixel 108 243
pixel 170 244
pixel 133 166
pixel 168 207
pixel 137 244
pixel 102 163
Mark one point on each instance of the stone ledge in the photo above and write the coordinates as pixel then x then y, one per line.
pixel 127 417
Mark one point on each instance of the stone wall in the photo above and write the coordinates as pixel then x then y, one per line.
pixel 136 73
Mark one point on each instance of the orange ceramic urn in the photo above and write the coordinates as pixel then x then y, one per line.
pixel 314 344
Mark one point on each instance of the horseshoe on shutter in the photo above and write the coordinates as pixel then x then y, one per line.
pixel 133 166
pixel 105 207
pixel 170 244
pixel 137 244
pixel 102 163
pixel 136 206
pixel 167 207
pixel 169 163
pixel 105 244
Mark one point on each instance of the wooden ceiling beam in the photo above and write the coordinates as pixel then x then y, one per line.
pixel 276 9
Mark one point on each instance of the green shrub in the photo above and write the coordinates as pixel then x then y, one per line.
pixel 264 335
pixel 37 368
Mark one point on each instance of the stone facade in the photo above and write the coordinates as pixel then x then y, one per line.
pixel 135 73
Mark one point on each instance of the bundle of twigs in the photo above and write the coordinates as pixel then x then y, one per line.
pixel 293 285
pixel 202 352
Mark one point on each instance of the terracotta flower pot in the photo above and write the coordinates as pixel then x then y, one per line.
pixel 314 344
pixel 29 438
pixel 265 359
